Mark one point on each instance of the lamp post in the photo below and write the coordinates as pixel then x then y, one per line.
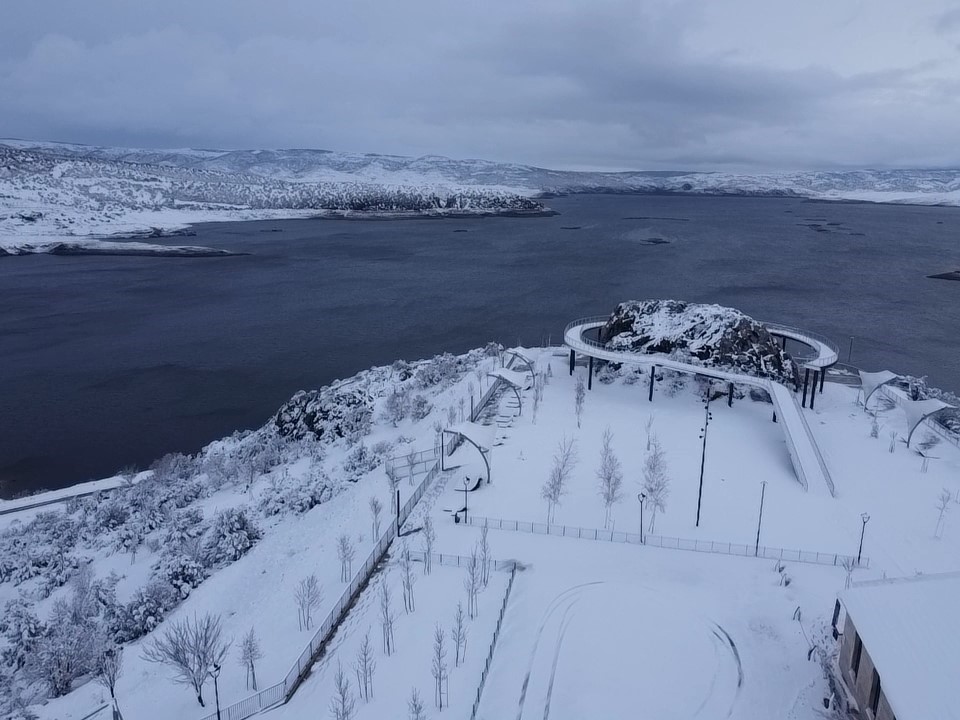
pixel 863 528
pixel 466 485
pixel 763 489
pixel 215 671
pixel 640 497
pixel 707 417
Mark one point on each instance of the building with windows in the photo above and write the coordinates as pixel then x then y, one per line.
pixel 900 648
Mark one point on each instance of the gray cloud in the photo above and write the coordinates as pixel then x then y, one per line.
pixel 609 83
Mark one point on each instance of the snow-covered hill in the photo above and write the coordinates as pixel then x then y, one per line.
pixel 53 192
pixel 49 191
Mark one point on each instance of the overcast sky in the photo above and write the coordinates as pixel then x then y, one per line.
pixel 612 84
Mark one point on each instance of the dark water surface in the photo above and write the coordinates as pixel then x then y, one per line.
pixel 109 361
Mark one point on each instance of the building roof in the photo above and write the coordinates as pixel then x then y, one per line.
pixel 911 629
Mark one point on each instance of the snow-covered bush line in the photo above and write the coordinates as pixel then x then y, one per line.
pixel 286 467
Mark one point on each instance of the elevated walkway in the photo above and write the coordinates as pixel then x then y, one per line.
pixel 804 454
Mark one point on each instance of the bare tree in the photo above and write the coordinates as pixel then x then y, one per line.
pixel 387 618
pixel 893 441
pixel 579 395
pixel 308 595
pixel 192 648
pixel 429 539
pixel 365 666
pixel 393 481
pixel 848 564
pixel 610 475
pixel 411 464
pixel 556 485
pixel 461 404
pixel 648 426
pixel 343 704
pixel 943 504
pixel 485 557
pixel 376 507
pixel 415 706
pixel 408 580
pixel 438 666
pixel 874 426
pixel 345 553
pixel 471 583
pixel 656 482
pixel 451 416
pixel 459 635
pixel 249 654
pixel 108 669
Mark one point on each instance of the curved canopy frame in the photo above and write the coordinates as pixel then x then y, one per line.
pixel 515 380
pixel 919 410
pixel 518 354
pixel 480 436
pixel 870 382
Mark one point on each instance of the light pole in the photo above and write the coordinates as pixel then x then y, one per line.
pixel 707 417
pixel 865 517
pixel 763 489
pixel 215 671
pixel 640 497
pixel 466 484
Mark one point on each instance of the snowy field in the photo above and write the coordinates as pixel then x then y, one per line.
pixel 592 629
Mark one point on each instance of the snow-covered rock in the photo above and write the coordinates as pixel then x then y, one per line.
pixel 708 335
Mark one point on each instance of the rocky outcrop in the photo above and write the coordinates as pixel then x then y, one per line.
pixel 327 414
pixel 707 335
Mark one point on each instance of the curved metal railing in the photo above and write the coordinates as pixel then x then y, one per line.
pixel 823 359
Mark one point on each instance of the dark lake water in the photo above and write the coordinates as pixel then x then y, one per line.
pixel 106 362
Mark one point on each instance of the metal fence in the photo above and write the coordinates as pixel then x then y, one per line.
pixel 493 643
pixel 282 691
pixel 671 543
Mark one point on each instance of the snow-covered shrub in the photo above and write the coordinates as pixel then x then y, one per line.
pixel 608 372
pixel 111 514
pixel 438 370
pixel 181 570
pixel 143 612
pixel 297 495
pixel 402 370
pixel 22 629
pixel 183 526
pixel 420 407
pixel 231 536
pixel 397 405
pixel 360 461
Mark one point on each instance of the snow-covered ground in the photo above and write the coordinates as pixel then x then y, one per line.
pixel 592 629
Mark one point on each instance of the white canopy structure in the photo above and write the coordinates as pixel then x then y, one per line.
pixel 919 410
pixel 516 380
pixel 480 436
pixel 870 382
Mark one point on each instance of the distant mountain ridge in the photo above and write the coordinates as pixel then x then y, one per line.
pixel 51 192
pixel 304 165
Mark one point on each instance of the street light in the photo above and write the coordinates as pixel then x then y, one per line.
pixel 640 497
pixel 703 454
pixel 215 671
pixel 865 517
pixel 763 489
pixel 466 484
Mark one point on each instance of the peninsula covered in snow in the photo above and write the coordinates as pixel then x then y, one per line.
pixel 499 534
pixel 53 192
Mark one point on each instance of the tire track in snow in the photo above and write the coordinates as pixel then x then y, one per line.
pixel 569 594
pixel 564 624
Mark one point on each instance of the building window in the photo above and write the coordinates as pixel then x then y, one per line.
pixel 875 692
pixel 857 652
